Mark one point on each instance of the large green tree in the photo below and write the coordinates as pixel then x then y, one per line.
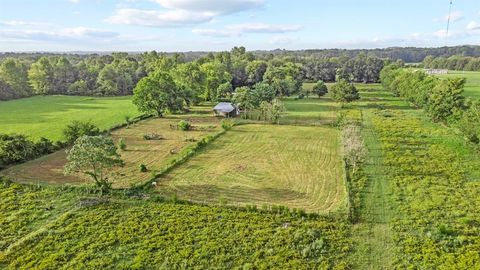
pixel 107 81
pixel 446 99
pixel 14 73
pixel 93 156
pixel 157 94
pixel 190 77
pixel 215 74
pixel 344 92
pixel 320 89
pixel 64 75
pixel 41 76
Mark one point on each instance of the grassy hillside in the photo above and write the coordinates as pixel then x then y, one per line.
pixel 47 116
pixel 259 164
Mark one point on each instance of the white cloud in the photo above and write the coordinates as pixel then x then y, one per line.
pixel 218 7
pixel 263 28
pixel 181 12
pixel 62 34
pixel 214 32
pixel 473 26
pixel 16 23
pixel 75 1
pixel 247 28
pixel 158 18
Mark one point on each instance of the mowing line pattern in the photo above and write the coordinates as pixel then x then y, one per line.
pixel 298 167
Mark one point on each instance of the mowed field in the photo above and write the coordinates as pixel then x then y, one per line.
pixel 472 87
pixel 293 166
pixel 155 154
pixel 47 116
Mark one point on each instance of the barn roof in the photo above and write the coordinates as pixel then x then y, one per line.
pixel 225 107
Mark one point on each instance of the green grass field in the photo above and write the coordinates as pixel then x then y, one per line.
pixel 418 198
pixel 472 87
pixel 293 166
pixel 47 116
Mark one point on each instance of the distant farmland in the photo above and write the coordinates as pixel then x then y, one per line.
pixel 472 87
pixel 47 116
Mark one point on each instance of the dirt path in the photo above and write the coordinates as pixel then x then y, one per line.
pixel 372 234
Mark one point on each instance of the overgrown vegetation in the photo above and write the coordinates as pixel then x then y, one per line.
pixel 442 99
pixel 437 225
pixel 17 149
pixel 77 129
pixel 132 234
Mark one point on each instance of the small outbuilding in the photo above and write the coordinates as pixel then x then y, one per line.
pixel 226 109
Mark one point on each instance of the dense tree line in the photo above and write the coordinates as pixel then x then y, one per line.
pixel 455 62
pixel 442 99
pixel 107 75
pixel 207 76
pixel 173 84
pixel 362 68
pixel 406 54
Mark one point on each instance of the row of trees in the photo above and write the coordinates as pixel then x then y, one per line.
pixel 406 54
pixel 455 62
pixel 108 75
pixel 172 84
pixel 213 76
pixel 442 99
pixel 362 68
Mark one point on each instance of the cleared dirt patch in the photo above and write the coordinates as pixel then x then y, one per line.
pixel 155 154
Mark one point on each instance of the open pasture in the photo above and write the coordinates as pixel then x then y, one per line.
pixel 47 116
pixel 293 166
pixel 472 87
pixel 155 154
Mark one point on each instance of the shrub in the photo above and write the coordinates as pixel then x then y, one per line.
pixel 18 148
pixel 320 88
pixel 77 129
pixel 153 136
pixel 227 124
pixel 143 168
pixel 122 145
pixel 341 120
pixel 45 146
pixel 344 92
pixel 184 125
pixel 15 149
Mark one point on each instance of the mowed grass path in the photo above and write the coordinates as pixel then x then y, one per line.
pixel 293 166
pixel 472 87
pixel 47 116
pixel 155 154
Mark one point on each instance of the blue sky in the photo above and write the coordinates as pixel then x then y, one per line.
pixel 209 25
